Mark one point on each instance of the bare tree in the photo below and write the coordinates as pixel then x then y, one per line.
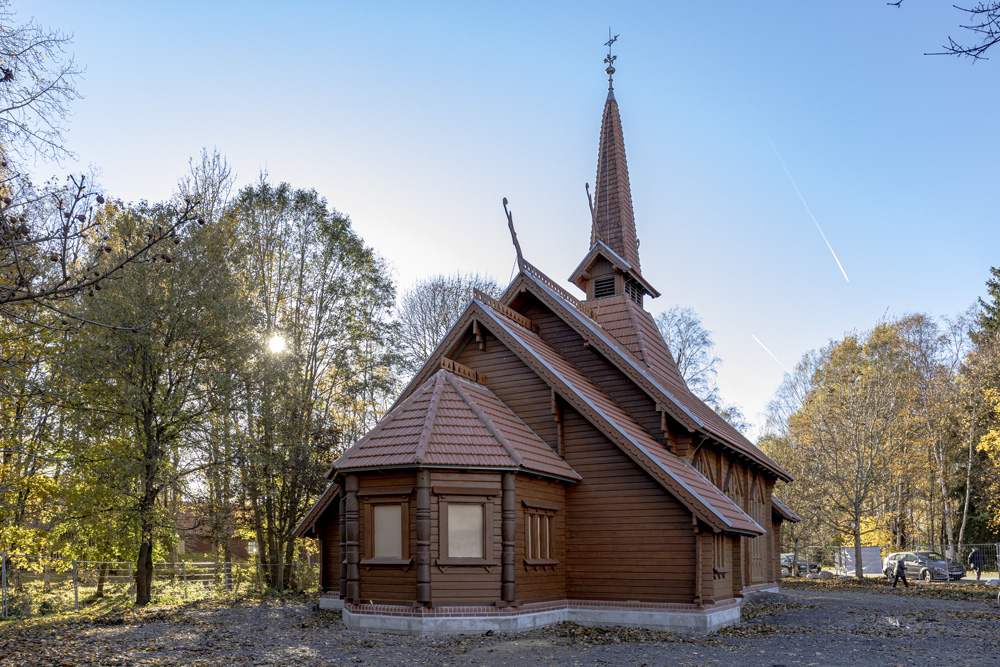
pixel 691 344
pixel 984 24
pixel 37 84
pixel 429 309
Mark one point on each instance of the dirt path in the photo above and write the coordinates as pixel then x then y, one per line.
pixel 795 627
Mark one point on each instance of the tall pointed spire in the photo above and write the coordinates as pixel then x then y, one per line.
pixel 613 223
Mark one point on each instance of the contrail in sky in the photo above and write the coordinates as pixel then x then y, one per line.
pixel 769 352
pixel 810 215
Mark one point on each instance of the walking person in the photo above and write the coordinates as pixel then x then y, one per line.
pixel 900 573
pixel 976 561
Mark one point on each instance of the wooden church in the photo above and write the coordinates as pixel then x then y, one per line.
pixel 549 464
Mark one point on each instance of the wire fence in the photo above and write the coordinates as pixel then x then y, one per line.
pixel 842 560
pixel 38 585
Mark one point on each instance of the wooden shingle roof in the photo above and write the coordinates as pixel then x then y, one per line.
pixel 644 357
pixel 451 422
pixel 784 511
pixel 614 222
pixel 678 476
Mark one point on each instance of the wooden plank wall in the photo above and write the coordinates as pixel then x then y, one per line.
pixel 612 382
pixel 515 384
pixel 534 584
pixel 466 584
pixel 626 538
pixel 331 547
pixel 387 582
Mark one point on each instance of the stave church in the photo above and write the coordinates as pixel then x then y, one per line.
pixel 549 464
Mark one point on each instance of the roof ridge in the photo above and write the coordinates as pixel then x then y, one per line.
pixel 487 422
pixel 432 412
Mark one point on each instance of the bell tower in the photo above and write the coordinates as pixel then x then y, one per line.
pixel 611 266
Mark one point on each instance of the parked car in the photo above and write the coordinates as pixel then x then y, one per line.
pixel 924 565
pixel 804 568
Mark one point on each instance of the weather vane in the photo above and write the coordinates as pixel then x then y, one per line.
pixel 610 59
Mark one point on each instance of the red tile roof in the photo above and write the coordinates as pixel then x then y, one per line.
pixel 450 421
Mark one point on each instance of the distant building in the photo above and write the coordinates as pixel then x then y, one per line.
pixel 548 463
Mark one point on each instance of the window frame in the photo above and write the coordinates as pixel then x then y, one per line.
pixel 720 551
pixel 489 546
pixel 369 546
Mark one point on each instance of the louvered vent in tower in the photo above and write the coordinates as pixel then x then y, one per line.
pixel 604 287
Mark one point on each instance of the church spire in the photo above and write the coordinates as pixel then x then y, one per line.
pixel 611 267
pixel 613 222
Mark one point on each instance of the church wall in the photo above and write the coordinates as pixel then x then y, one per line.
pixel 387 582
pixel 615 384
pixel 538 582
pixel 626 537
pixel 466 584
pixel 329 528
pixel 515 384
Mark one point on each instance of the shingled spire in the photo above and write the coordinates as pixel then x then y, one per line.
pixel 613 222
pixel 612 234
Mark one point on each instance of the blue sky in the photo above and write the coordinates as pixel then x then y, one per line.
pixel 416 119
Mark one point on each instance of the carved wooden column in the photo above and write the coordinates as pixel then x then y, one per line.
pixel 699 574
pixel 508 515
pixel 343 545
pixel 353 534
pixel 424 537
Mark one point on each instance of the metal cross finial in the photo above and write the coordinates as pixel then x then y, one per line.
pixel 610 59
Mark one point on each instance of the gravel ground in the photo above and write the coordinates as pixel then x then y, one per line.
pixel 800 626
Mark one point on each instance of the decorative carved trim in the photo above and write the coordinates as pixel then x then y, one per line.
pixel 482 491
pixel 532 271
pixel 540 505
pixel 462 370
pixel 400 491
pixel 505 310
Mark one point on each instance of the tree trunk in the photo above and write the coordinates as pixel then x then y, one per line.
pixel 144 571
pixel 859 568
pixel 102 575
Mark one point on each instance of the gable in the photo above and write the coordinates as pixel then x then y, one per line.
pixel 669 392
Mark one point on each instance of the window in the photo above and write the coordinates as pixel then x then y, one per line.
pixel 634 291
pixel 466 530
pixel 538 540
pixel 604 287
pixel 387 531
pixel 539 533
pixel 719 555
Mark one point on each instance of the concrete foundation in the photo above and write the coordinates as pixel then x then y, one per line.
pixel 457 620
pixel 331 603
